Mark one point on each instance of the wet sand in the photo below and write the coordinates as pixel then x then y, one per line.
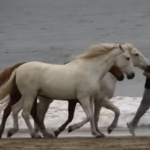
pixel 120 139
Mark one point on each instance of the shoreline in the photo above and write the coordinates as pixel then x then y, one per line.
pixel 82 133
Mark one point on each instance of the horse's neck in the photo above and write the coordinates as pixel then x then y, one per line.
pixel 103 63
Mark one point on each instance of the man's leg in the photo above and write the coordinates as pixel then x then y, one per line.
pixel 144 106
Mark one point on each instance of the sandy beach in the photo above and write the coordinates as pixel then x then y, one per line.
pixel 122 143
pixel 120 139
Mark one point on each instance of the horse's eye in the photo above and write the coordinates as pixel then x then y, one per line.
pixel 128 58
pixel 136 54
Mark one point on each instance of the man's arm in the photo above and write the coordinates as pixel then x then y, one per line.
pixel 147 74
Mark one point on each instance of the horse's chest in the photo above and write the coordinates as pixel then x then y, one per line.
pixel 93 88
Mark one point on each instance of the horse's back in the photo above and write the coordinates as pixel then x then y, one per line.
pixel 40 68
pixel 42 77
pixel 41 72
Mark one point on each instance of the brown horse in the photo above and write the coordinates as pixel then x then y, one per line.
pixel 15 97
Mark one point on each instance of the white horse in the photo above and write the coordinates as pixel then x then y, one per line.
pixel 79 79
pixel 108 88
pixel 107 91
pixel 123 62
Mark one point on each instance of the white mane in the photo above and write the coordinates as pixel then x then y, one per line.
pixel 129 46
pixel 98 49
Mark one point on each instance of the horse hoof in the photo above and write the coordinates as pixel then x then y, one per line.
pixel 100 136
pixel 49 136
pixel 37 136
pixel 9 134
pixel 103 135
pixel 109 130
pixel 69 129
pixel 56 133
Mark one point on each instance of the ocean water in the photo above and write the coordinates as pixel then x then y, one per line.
pixel 54 31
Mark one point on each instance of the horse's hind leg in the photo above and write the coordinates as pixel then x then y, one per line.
pixel 107 104
pixel 28 100
pixel 15 110
pixel 6 113
pixel 34 116
pixel 14 98
pixel 38 115
pixel 71 110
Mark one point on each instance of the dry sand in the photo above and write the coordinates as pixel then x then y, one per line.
pixel 112 143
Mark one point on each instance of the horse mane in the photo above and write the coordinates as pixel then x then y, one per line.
pixel 97 50
pixel 5 74
pixel 128 46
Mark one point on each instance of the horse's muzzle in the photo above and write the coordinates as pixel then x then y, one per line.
pixel 120 78
pixel 131 76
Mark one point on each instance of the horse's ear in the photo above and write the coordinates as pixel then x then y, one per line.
pixel 66 62
pixel 120 46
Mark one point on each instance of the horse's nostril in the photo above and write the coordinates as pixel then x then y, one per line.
pixel 133 74
pixel 120 78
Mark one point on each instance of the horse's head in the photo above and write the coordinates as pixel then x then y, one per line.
pixel 137 58
pixel 117 73
pixel 124 62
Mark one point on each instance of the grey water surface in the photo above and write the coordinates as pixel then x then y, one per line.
pixel 55 31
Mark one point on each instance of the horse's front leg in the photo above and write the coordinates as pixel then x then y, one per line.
pixel 80 124
pixel 107 104
pixel 87 106
pixel 77 125
pixel 42 108
pixel 71 110
pixel 97 114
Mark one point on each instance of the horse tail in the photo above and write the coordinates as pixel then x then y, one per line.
pixel 5 75
pixel 3 106
pixel 7 87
